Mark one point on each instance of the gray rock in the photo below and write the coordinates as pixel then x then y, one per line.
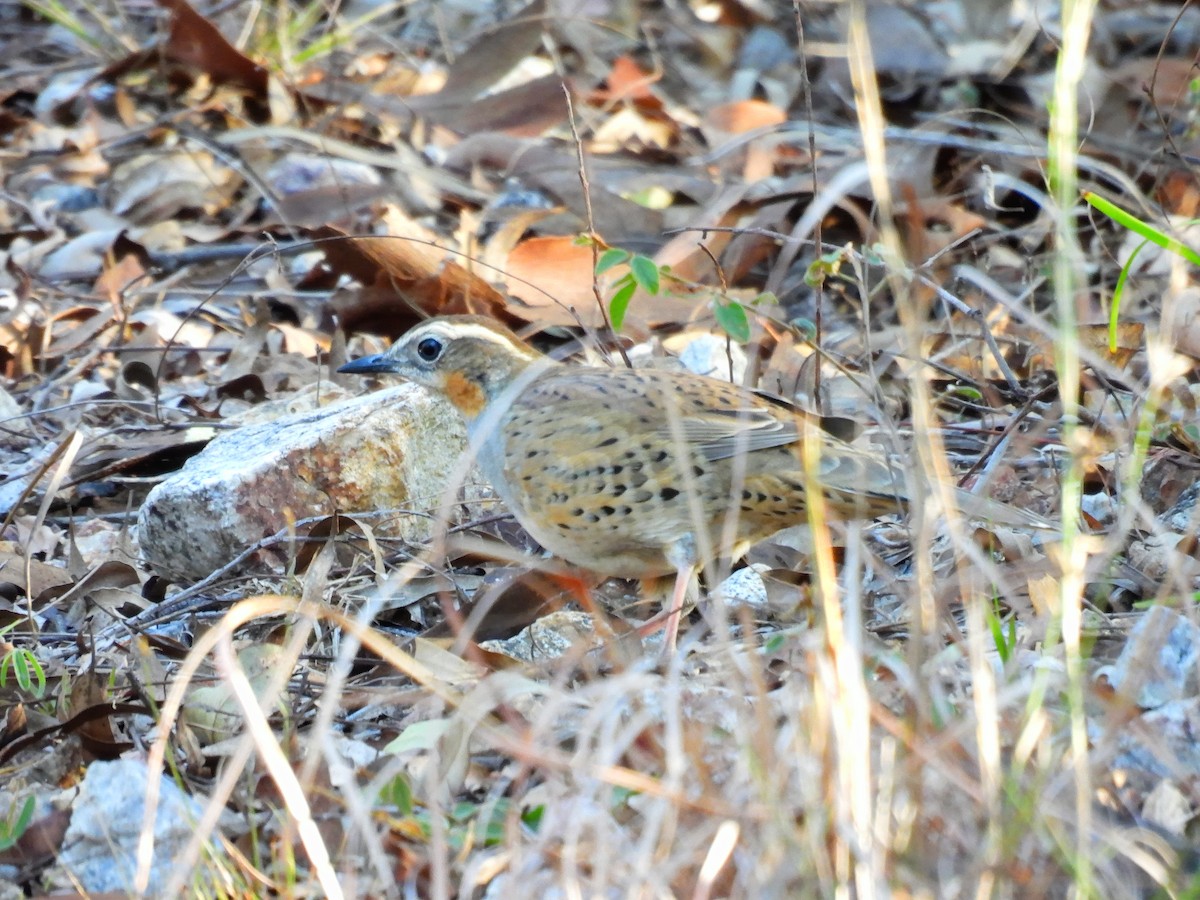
pixel 549 637
pixel 395 449
pixel 1159 662
pixel 1163 742
pixel 100 847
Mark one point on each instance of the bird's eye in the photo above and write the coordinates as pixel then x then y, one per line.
pixel 429 349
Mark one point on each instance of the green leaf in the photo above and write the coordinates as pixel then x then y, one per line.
pixel 997 630
pixel 21 670
pixel 33 673
pixel 27 671
pixel 806 327
pixel 620 302
pixel 1145 229
pixel 532 817
pixel 823 266
pixel 1114 314
pixel 59 13
pixel 398 793
pixel 12 828
pixel 621 795
pixel 418 736
pixel 731 316
pixel 766 298
pixel 614 256
pixel 493 830
pixel 645 273
pixel 1005 642
pixel 464 811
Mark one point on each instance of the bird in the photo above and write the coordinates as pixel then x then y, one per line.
pixel 631 472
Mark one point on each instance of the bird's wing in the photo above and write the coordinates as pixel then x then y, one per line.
pixel 721 422
pixel 721 434
pixel 724 434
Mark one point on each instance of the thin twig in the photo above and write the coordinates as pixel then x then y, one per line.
pixel 806 89
pixel 1001 363
pixel 591 224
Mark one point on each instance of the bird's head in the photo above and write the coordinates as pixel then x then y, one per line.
pixel 470 360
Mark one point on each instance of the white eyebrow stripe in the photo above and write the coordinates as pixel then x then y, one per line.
pixel 472 330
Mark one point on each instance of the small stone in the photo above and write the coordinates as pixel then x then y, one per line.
pixel 745 587
pixel 548 638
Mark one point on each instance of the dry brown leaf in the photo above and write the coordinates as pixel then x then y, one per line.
pixel 526 110
pixel 123 269
pixel 404 281
pixel 630 129
pixel 90 690
pixel 740 116
pixel 554 275
pixel 627 81
pixel 41 575
pixel 197 43
pixel 496 52
pixel 935 224
pixel 1094 341
pixel 40 841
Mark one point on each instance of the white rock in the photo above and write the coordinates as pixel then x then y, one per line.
pixel 745 587
pixel 709 355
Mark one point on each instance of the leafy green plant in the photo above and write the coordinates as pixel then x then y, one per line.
pixel 478 824
pixel 305 33
pixel 1152 235
pixel 398 793
pixel 731 316
pixel 643 273
pixel 827 265
pixel 16 823
pixel 466 824
pixel 67 16
pixel 1004 641
pixel 27 671
pixel 652 278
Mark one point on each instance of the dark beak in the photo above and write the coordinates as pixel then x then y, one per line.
pixel 380 363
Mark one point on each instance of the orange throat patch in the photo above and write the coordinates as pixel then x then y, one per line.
pixel 465 394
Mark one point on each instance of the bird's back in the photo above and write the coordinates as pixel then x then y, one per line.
pixel 610 468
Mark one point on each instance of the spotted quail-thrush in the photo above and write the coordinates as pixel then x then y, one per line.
pixel 633 473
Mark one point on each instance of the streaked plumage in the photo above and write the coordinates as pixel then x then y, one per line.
pixel 612 469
